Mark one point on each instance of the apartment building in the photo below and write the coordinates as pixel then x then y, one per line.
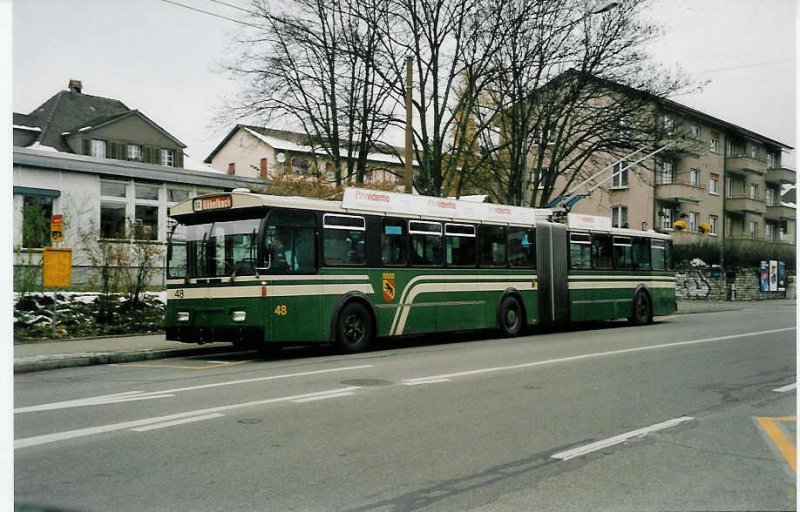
pixel 715 180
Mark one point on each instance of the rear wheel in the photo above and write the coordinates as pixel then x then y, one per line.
pixel 511 317
pixel 642 309
pixel 353 328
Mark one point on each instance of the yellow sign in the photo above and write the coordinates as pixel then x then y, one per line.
pixel 57 267
pixel 57 228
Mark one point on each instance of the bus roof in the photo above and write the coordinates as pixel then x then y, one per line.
pixel 376 202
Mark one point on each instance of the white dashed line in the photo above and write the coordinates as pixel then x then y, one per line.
pixel 611 441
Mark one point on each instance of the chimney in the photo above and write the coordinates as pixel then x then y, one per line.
pixel 75 86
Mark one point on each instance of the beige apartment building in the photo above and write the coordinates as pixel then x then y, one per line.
pixel 721 180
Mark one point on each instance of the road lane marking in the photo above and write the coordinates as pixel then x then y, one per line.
pixel 786 388
pixel 323 397
pixel 102 429
pixel 779 439
pixel 178 422
pixel 611 441
pixel 129 396
pixel 448 376
pixel 207 366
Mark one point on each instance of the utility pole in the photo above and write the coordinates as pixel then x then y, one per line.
pixel 407 178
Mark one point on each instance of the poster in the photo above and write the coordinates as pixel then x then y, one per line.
pixel 773 276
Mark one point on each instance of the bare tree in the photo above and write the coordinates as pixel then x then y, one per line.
pixel 312 65
pixel 570 88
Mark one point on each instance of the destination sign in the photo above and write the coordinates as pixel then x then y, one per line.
pixel 202 204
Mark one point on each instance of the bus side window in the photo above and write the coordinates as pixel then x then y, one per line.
pixel 426 243
pixel 492 246
pixel 344 239
pixel 580 255
pixel 393 242
pixel 522 247
pixel 602 251
pixel 641 253
pixel 623 257
pixel 658 254
pixel 460 245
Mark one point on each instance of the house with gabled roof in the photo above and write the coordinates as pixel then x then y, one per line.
pixel 111 172
pixel 78 123
pixel 267 153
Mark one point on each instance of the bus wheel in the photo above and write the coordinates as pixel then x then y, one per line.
pixel 511 317
pixel 353 328
pixel 642 310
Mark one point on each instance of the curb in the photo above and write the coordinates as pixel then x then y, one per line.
pixel 98 358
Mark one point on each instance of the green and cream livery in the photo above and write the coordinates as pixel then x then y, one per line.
pixel 260 270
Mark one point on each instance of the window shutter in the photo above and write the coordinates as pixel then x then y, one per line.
pixel 178 157
pixel 87 147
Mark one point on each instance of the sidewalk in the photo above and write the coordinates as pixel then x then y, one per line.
pixel 51 355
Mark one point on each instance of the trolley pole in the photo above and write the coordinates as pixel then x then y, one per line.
pixel 407 178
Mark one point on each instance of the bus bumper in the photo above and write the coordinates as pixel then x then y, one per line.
pixel 201 335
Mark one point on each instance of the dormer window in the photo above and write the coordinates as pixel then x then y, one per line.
pixel 134 152
pixel 98 148
pixel 167 158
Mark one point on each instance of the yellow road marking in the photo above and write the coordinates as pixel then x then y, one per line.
pixel 187 367
pixel 784 445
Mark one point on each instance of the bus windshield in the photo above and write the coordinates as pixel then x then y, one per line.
pixel 214 249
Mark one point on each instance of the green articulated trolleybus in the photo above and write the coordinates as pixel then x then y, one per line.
pixel 264 271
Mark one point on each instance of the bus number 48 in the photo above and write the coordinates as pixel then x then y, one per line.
pixel 280 310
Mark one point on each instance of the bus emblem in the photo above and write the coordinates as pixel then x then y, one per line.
pixel 388 287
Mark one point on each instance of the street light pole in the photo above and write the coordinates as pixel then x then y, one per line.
pixel 407 176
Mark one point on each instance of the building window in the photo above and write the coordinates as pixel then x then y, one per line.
pixel 770 196
pixel 713 184
pixel 713 220
pixel 168 158
pixel 667 173
pixel 113 189
pixel 134 152
pixel 112 219
pixel 753 191
pixel 149 192
pixel 620 175
pixel 714 145
pixel 666 217
pixel 36 214
pixel 769 231
pixel 694 177
pixel 771 160
pixel 755 152
pixel 98 148
pixel 753 229
pixel 693 221
pixel 668 124
pixel 175 195
pixel 619 216
pixel 728 186
pixel 696 130
pixel 145 222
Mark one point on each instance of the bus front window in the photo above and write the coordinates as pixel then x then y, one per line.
pixel 226 248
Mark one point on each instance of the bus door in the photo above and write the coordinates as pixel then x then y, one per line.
pixel 293 302
pixel 418 314
pixel 552 264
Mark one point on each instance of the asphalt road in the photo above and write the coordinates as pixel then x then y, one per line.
pixel 696 412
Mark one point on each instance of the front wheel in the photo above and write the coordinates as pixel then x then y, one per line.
pixel 642 310
pixel 353 329
pixel 511 317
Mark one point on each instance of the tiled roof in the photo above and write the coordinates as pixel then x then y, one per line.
pixel 68 111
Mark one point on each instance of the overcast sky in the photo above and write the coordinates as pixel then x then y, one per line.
pixel 164 59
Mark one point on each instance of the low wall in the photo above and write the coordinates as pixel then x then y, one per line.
pixel 703 284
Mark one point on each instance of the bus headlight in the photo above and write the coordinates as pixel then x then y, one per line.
pixel 183 316
pixel 239 316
